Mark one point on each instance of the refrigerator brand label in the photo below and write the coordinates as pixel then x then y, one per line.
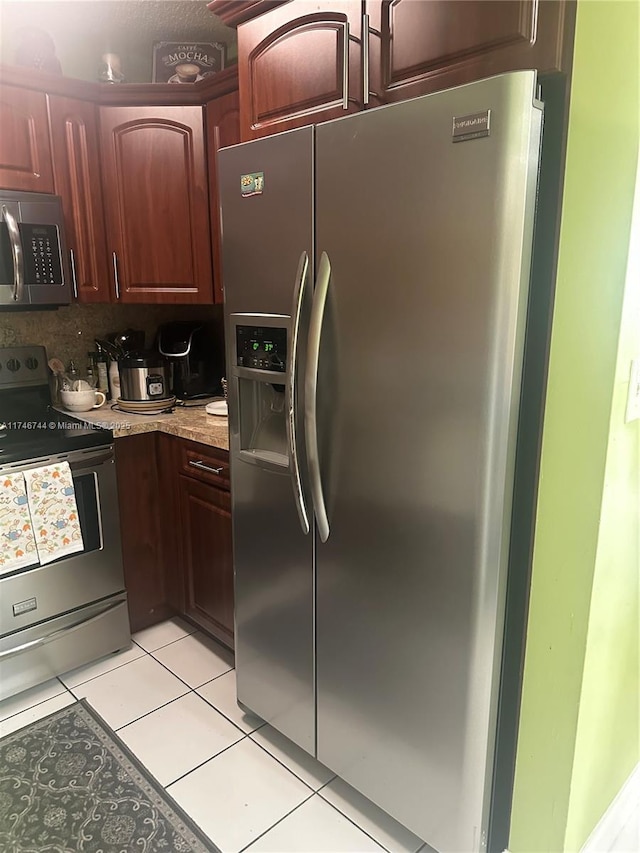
pixel 473 126
pixel 252 184
pixel 25 606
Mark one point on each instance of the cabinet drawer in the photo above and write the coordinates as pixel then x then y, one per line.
pixel 209 464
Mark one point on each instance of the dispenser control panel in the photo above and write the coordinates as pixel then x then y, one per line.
pixel 262 347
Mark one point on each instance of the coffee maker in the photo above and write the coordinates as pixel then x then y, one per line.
pixel 194 356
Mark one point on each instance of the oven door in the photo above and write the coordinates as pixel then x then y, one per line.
pixel 37 593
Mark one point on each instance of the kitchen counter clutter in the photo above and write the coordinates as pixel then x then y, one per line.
pixel 192 423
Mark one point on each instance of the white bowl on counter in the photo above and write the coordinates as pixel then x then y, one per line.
pixel 218 407
pixel 83 400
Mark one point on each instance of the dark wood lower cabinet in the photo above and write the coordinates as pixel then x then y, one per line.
pixel 207 561
pixel 175 521
pixel 140 503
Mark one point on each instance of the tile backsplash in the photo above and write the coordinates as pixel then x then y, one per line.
pixel 69 332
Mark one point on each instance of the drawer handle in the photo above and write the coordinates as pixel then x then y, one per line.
pixel 198 463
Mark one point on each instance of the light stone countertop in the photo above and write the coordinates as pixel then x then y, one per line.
pixel 192 423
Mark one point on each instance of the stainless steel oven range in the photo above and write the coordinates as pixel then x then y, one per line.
pixel 63 614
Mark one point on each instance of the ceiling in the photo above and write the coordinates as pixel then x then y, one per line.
pixel 84 29
pixel 160 18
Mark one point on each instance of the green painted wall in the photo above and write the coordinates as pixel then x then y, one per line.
pixel 608 737
pixel 571 551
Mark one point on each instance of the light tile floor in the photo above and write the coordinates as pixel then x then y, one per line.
pixel 171 698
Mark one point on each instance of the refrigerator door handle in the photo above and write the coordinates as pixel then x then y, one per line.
pixel 298 298
pixel 310 394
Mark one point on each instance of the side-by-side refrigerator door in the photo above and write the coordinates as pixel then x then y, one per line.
pixel 266 193
pixel 424 214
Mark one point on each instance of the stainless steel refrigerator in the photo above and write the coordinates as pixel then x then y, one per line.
pixel 376 272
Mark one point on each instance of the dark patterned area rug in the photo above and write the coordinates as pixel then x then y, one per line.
pixel 69 785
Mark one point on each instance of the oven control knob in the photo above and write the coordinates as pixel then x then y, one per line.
pixel 13 364
pixel 31 362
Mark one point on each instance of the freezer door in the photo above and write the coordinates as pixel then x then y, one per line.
pixel 267 250
pixel 426 221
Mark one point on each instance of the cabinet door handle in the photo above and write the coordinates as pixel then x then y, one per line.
pixel 115 275
pixel 345 68
pixel 365 59
pixel 74 278
pixel 367 32
pixel 16 252
pixel 198 463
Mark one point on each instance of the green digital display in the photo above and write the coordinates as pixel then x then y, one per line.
pixel 267 346
pixel 262 347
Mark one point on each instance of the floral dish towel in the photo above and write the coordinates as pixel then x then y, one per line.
pixel 17 545
pixel 54 512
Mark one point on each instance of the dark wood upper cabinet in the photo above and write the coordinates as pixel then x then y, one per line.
pixel 421 47
pixel 299 64
pixel 25 152
pixel 154 178
pixel 292 73
pixel 223 128
pixel 76 159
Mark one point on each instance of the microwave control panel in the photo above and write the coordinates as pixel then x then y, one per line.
pixel 262 347
pixel 40 244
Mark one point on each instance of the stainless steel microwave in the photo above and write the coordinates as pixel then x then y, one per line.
pixel 33 268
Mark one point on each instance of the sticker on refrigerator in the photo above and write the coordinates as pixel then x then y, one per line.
pixel 473 126
pixel 252 184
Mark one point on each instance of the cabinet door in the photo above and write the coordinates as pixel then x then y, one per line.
pixel 299 64
pixel 421 47
pixel 76 158
pixel 223 128
pixel 25 153
pixel 205 513
pixel 140 504
pixel 156 203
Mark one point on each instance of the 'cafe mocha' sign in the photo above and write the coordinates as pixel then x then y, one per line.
pixel 181 62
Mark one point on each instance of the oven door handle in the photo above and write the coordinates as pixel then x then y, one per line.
pixel 16 252
pixel 61 632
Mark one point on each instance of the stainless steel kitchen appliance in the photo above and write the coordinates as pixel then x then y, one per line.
pixel 33 265
pixel 376 272
pixel 58 616
pixel 144 377
pixel 191 349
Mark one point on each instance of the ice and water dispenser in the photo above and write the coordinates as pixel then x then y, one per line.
pixel 260 370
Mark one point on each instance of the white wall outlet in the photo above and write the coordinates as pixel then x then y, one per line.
pixel 633 398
